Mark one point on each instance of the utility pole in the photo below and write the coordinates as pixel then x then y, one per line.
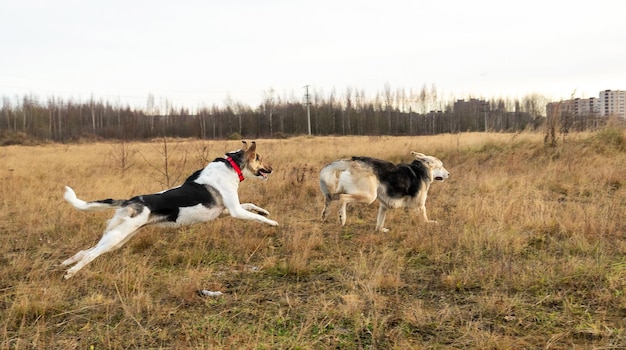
pixel 485 106
pixel 308 107
pixel 486 114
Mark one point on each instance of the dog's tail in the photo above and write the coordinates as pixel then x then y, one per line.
pixel 99 205
pixel 329 178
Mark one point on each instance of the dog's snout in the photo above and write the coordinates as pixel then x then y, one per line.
pixel 441 175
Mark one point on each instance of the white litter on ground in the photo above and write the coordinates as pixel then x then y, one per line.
pixel 208 293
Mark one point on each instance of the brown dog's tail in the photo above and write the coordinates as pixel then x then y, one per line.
pixel 99 205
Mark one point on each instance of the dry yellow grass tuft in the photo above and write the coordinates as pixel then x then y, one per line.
pixel 528 251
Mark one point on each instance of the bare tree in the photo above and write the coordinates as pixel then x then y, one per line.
pixel 150 111
pixel 423 99
pixel 268 108
pixel 6 111
pixel 346 125
pixel 169 177
pixel 433 98
pixel 122 156
pixel 388 105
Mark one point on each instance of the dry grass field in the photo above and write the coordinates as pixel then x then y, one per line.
pixel 528 251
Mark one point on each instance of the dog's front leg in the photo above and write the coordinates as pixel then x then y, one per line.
pixel 240 213
pixel 234 207
pixel 380 219
pixel 252 207
pixel 422 215
pixel 248 207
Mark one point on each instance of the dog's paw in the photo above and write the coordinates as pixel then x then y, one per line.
pixel 262 211
pixel 272 223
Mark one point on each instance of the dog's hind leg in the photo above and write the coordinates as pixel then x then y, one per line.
pixel 328 198
pixel 344 199
pixel 116 220
pixel 342 212
pixel 75 258
pixel 114 237
pixel 361 197
pixel 325 210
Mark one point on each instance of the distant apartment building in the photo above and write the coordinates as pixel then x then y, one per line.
pixel 612 103
pixel 609 103
pixel 472 106
pixel 578 107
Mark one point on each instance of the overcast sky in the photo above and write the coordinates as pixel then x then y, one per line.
pixel 200 53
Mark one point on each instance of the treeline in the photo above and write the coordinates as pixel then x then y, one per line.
pixel 389 113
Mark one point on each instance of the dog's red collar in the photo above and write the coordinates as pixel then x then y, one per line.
pixel 236 167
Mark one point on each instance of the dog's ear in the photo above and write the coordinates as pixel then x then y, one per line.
pixel 251 151
pixel 418 155
pixel 245 145
pixel 423 158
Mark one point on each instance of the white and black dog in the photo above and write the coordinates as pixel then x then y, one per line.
pixel 365 179
pixel 205 195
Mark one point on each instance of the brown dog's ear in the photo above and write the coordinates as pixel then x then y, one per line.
pixel 252 147
pixel 251 151
pixel 245 145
